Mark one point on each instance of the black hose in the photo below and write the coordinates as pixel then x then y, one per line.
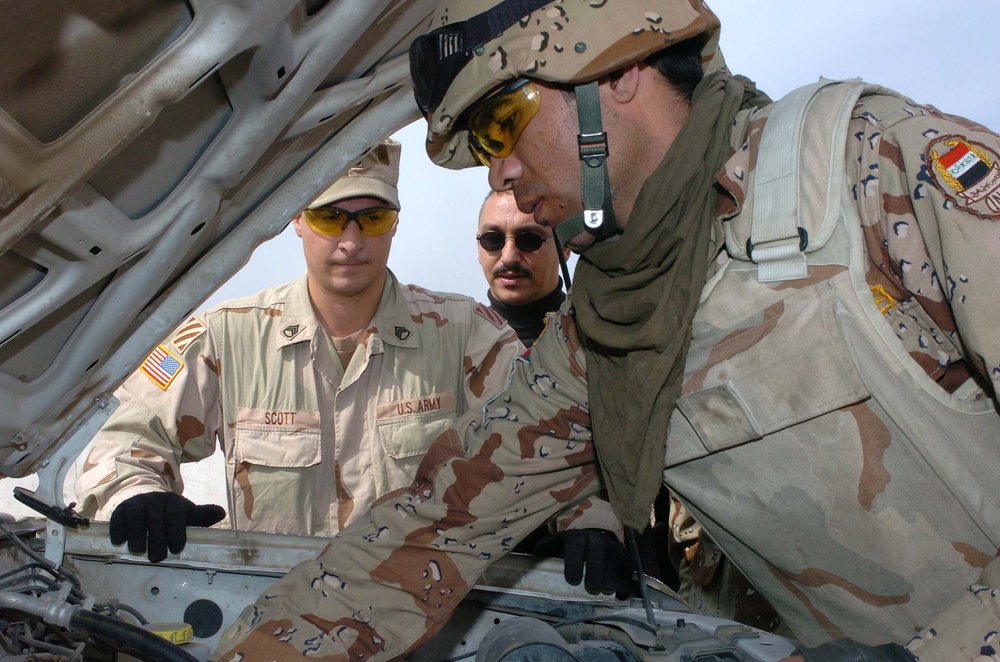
pixel 129 638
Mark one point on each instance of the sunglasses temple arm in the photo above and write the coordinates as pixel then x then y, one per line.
pixel 562 261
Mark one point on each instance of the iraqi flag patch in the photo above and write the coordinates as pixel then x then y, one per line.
pixel 162 366
pixel 968 174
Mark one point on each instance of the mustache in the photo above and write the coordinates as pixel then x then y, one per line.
pixel 513 269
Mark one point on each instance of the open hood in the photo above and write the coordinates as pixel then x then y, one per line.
pixel 146 148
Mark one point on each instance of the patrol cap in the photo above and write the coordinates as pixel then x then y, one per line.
pixel 566 41
pixel 375 176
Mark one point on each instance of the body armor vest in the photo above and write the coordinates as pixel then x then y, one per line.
pixel 858 495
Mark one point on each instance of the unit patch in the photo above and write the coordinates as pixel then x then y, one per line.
pixel 186 334
pixel 967 173
pixel 490 315
pixel 162 366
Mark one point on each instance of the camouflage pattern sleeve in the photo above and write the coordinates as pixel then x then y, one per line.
pixel 939 186
pixel 388 583
pixel 939 180
pixel 594 513
pixel 491 347
pixel 169 413
pixel 969 629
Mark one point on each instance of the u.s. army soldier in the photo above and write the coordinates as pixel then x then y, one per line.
pixel 323 393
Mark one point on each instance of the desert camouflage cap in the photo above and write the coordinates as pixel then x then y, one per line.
pixel 566 41
pixel 375 176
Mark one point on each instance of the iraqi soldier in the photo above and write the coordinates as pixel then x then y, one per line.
pixel 786 313
pixel 520 261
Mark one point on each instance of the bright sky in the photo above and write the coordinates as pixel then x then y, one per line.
pixel 934 52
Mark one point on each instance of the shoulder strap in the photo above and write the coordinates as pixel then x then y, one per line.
pixel 799 176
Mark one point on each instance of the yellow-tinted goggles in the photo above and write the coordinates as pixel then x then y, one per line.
pixel 332 221
pixel 496 122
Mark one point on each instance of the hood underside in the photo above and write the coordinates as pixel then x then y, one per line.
pixel 146 148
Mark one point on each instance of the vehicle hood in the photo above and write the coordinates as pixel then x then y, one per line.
pixel 146 148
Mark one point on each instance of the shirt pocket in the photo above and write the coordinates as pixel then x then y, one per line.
pixel 284 443
pixel 406 428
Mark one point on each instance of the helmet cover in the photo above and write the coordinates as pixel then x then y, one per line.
pixel 566 41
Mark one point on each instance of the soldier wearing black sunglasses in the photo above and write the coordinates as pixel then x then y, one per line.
pixel 521 265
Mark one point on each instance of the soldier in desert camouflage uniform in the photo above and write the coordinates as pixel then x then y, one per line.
pixel 323 393
pixel 808 297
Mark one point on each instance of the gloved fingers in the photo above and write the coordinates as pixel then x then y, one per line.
pixel 118 527
pixel 205 515
pixel 598 575
pixel 156 525
pixel 575 553
pixel 175 509
pixel 137 525
pixel 624 572
pixel 550 546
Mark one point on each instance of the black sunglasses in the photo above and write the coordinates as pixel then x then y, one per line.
pixel 437 57
pixel 526 242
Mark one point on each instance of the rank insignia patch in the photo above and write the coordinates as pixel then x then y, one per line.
pixel 968 174
pixel 161 366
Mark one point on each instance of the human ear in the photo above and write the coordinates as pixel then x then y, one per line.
pixel 624 83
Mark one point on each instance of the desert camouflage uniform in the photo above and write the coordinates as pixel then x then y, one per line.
pixel 856 513
pixel 308 444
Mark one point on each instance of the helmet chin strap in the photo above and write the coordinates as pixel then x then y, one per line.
pixel 598 217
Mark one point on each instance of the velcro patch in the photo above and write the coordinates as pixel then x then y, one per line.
pixel 162 366
pixel 490 315
pixel 186 334
pixel 967 173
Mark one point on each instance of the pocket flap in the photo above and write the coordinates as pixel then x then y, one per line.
pixel 283 441
pixel 790 365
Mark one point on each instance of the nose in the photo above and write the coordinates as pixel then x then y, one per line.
pixel 504 172
pixel 509 254
pixel 351 241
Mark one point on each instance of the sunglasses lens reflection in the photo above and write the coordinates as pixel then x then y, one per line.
pixel 332 221
pixel 497 122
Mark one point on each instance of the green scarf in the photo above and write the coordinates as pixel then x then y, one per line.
pixel 635 298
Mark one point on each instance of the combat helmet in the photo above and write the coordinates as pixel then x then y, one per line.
pixel 475 46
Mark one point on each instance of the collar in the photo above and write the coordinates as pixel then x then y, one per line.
pixel 528 312
pixel 528 319
pixel 733 176
pixel 298 321
pixel 393 323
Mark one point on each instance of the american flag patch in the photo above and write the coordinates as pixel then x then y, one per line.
pixel 161 366
pixel 186 334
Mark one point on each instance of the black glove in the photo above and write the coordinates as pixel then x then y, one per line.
pixel 848 650
pixel 609 569
pixel 160 517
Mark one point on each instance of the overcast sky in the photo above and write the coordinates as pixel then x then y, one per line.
pixel 941 53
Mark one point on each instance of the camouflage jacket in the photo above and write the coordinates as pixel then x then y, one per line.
pixel 308 444
pixel 816 490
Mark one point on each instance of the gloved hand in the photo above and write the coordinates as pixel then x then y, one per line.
pixel 608 567
pixel 160 518
pixel 848 650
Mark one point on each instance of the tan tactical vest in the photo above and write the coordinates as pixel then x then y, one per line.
pixel 858 495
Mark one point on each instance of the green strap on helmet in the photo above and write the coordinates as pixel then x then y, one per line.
pixel 598 217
